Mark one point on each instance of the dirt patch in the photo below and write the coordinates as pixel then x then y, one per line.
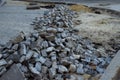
pixel 99 27
pixel 79 7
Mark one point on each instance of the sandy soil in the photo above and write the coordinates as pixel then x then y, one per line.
pixel 99 27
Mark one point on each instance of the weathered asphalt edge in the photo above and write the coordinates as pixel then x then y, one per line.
pixel 112 69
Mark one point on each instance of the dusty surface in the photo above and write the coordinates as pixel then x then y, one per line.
pixel 14 18
pixel 99 28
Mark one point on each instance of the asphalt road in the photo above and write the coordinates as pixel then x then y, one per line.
pixel 14 18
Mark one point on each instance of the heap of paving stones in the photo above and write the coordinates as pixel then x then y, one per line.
pixel 54 50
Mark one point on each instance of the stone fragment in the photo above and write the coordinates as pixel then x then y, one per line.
pixel 79 77
pixel 24 69
pixel 43 34
pixel 22 58
pixel 66 76
pixel 33 44
pixel 54 65
pixel 67 49
pixel 3 62
pixel 10 62
pixel 62 45
pixel 102 52
pixel 76 56
pixel 27 42
pixel 33 69
pixel 80 69
pixel 65 62
pixel 51 30
pixel 32 39
pixel 59 77
pixel 23 49
pixel 53 58
pixel 44 44
pixel 48 63
pixel 15 46
pixel 5 55
pixel 41 59
pixel 50 49
pixel 38 66
pixel 51 44
pixel 64 35
pixel 35 34
pixel 62 69
pixel 19 38
pixel 60 24
pixel 15 57
pixel 29 54
pixel 1 56
pixel 35 54
pixel 50 37
pixel 8 45
pixel 52 72
pixel 72 68
pixel 44 69
pixel 60 29
pixel 19 65
pixel 72 77
pixel 2 71
pixel 62 55
pixel 43 53
pixel 100 70
pixel 86 76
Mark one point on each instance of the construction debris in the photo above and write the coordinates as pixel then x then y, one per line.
pixel 54 50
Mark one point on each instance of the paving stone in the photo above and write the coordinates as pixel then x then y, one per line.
pixel 62 69
pixel 41 59
pixel 50 49
pixel 72 68
pixel 38 66
pixel 2 62
pixel 33 69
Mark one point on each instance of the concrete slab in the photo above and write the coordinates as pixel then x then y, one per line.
pixel 14 18
pixel 13 74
